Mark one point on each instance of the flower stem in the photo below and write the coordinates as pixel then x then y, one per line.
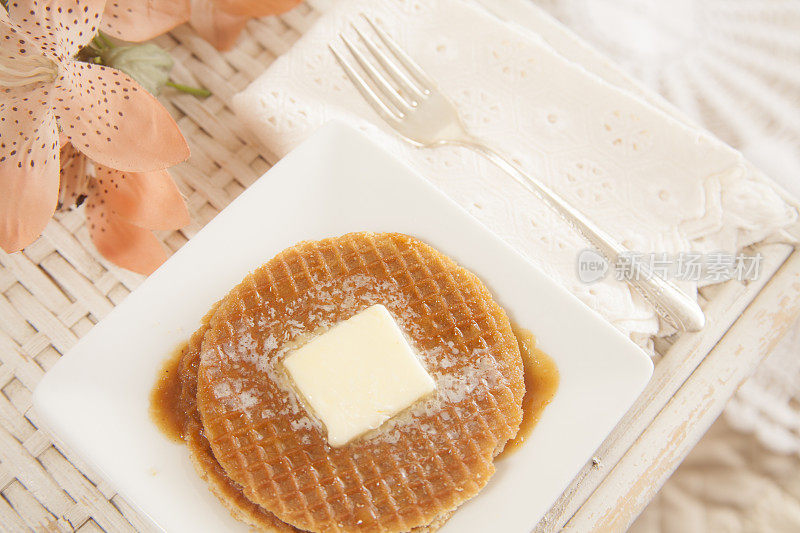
pixel 196 91
pixel 97 44
pixel 105 40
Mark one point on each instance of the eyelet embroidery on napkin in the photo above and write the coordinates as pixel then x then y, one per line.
pixel 446 49
pixel 417 7
pixel 626 131
pixel 512 60
pixel 322 75
pixel 478 108
pixel 288 113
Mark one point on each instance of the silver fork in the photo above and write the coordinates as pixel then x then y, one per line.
pixel 408 100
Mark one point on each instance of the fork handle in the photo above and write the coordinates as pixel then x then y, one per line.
pixel 672 304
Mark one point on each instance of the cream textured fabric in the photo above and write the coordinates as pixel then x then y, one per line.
pixel 733 68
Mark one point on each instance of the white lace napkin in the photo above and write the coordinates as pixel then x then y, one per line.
pixel 653 182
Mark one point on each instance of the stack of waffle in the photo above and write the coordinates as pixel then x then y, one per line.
pixel 267 457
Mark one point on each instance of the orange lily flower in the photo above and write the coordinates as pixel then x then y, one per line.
pixel 46 94
pixel 122 208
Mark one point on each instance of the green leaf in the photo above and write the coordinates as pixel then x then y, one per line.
pixel 146 63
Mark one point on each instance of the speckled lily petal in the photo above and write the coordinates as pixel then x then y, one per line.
pixel 21 60
pixel 120 242
pixel 256 8
pixel 140 20
pixel 111 119
pixel 150 200
pixel 73 175
pixel 60 27
pixel 28 167
pixel 218 28
pixel 13 40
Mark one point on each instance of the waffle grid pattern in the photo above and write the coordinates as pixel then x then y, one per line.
pixel 200 450
pixel 365 484
pixel 53 292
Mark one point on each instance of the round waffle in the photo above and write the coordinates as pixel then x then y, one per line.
pixel 415 468
pixel 207 466
pixel 228 492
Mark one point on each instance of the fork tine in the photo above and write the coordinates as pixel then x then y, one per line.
pixel 380 81
pixel 416 71
pixel 365 90
pixel 403 81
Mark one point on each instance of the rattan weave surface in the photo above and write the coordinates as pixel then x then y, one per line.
pixel 54 291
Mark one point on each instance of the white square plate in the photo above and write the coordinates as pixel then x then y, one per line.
pixel 95 399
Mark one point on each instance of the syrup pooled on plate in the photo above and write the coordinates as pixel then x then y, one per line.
pixel 165 408
pixel 541 384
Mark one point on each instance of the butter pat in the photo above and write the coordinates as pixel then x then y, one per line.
pixel 358 374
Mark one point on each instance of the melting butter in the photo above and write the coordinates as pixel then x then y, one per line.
pixel 358 374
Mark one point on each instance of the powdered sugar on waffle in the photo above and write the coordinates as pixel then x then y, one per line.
pixel 349 296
